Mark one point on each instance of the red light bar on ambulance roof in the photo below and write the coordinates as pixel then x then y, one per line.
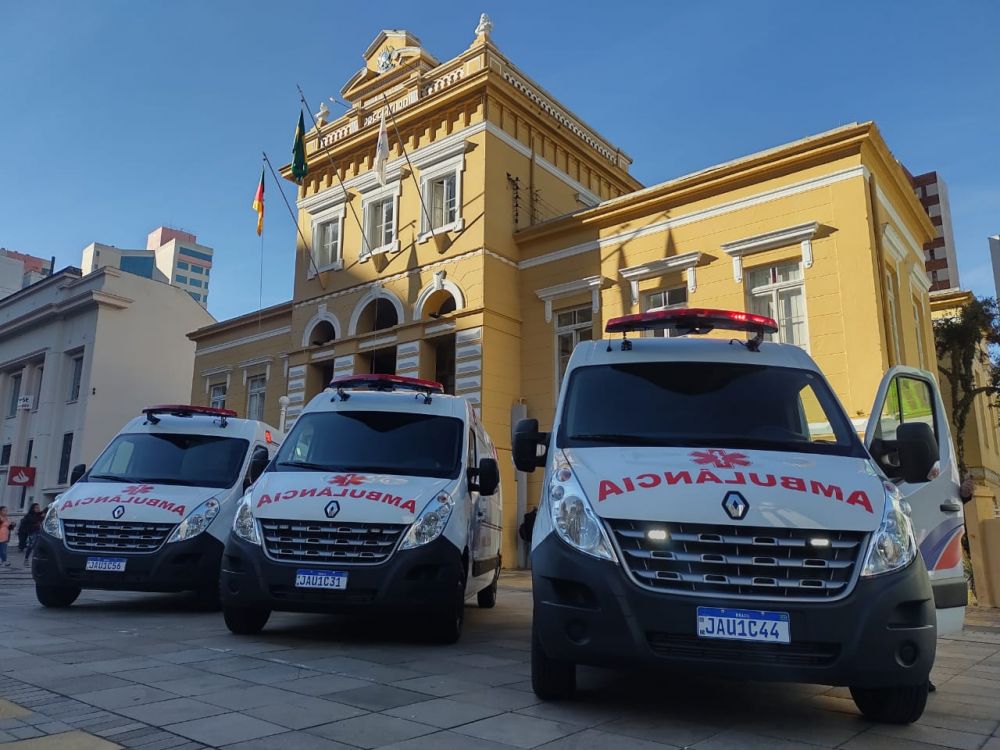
pixel 692 320
pixel 186 410
pixel 379 382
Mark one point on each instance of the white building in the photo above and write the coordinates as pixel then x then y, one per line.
pixel 171 255
pixel 18 270
pixel 80 356
pixel 995 260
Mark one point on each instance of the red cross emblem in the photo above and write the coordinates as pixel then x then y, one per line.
pixel 138 489
pixel 343 480
pixel 720 459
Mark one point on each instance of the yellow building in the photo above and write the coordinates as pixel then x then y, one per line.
pixel 509 230
pixel 982 458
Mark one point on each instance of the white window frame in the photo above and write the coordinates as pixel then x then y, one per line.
pixel 773 289
pixel 453 166
pixel 367 249
pixel 75 378
pixel 213 401
pixel 892 303
pixel 647 307
pixel 320 220
pixel 14 394
pixel 557 331
pixel 252 392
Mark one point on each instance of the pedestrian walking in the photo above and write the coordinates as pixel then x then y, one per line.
pixel 6 526
pixel 32 523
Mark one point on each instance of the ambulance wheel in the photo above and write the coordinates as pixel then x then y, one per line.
pixel 245 620
pixel 551 680
pixel 447 626
pixel 487 598
pixel 56 596
pixel 892 705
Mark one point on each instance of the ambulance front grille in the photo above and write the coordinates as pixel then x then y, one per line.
pixel 329 541
pixel 115 536
pixel 739 561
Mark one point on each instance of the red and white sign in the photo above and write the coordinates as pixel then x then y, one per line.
pixel 21 476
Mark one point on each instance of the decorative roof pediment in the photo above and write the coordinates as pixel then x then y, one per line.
pixel 393 51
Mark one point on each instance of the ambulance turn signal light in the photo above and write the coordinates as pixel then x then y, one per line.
pixel 692 320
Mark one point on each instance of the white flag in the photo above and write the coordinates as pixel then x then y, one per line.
pixel 381 151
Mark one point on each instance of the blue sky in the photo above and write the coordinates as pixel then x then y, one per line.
pixel 116 117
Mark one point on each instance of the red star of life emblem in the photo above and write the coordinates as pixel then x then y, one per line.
pixel 720 459
pixel 343 480
pixel 138 489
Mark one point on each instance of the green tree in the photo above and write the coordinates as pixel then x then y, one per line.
pixel 962 340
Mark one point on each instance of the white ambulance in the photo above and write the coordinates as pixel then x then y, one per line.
pixel 384 496
pixel 153 512
pixel 707 504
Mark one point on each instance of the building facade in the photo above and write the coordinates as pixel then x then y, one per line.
pixel 171 255
pixel 77 361
pixel 941 261
pixel 18 270
pixel 509 231
pixel 994 243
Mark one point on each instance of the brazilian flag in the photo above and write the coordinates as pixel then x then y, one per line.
pixel 299 166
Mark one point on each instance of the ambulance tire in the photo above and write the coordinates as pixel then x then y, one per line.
pixel 892 705
pixel 245 620
pixel 487 598
pixel 447 626
pixel 551 680
pixel 56 597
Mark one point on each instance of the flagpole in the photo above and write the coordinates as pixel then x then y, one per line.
pixel 260 290
pixel 413 175
pixel 336 173
pixel 295 220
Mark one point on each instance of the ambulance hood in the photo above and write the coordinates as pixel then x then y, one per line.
pixel 358 498
pixel 151 503
pixel 782 489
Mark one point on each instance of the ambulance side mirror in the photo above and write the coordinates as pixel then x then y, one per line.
pixel 917 449
pixel 487 477
pixel 258 462
pixel 525 448
pixel 78 471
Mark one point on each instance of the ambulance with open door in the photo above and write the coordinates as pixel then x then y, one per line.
pixel 385 496
pixel 154 510
pixel 707 504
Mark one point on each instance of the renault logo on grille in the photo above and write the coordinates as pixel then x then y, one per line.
pixel 332 509
pixel 735 505
pixel 118 512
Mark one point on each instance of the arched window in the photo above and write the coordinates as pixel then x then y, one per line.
pixel 378 314
pixel 440 303
pixel 322 333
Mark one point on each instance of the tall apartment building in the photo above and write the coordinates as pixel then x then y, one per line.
pixel 170 255
pixel 942 264
pixel 18 270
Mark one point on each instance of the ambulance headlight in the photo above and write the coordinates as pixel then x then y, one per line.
pixel 573 519
pixel 431 522
pixel 244 524
pixel 893 546
pixel 52 525
pixel 197 521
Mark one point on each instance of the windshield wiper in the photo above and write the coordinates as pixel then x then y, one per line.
pixel 613 437
pixel 306 465
pixel 114 478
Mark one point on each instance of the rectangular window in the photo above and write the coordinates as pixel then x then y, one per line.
pixel 67 449
pixel 5 455
pixel 15 395
pixel 893 311
pixel 443 201
pixel 195 296
pixel 76 377
pixel 38 387
pixel 328 243
pixel 380 225
pixel 207 270
pixel 181 279
pixel 195 254
pixel 217 396
pixel 256 387
pixel 778 292
pixel 572 327
pixel 182 266
pixel 664 299
pixel 918 325
pixel 198 270
pixel 195 283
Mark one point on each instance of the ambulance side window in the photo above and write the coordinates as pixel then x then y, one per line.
pixel 907 400
pixel 473 453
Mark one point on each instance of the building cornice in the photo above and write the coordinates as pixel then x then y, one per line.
pixel 283 309
pixel 686 261
pixel 801 234
pixel 592 284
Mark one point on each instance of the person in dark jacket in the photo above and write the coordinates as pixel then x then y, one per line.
pixel 32 524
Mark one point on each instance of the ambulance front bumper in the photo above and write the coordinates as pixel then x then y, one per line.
pixel 422 578
pixel 587 611
pixel 176 566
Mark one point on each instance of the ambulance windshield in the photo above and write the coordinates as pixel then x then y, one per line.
pixel 171 458
pixel 383 442
pixel 711 404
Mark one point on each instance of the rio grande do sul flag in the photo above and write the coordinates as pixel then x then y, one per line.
pixel 381 151
pixel 258 204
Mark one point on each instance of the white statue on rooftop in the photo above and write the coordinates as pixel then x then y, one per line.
pixel 322 115
pixel 485 27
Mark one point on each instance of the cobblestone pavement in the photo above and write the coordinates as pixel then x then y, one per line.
pixel 152 672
